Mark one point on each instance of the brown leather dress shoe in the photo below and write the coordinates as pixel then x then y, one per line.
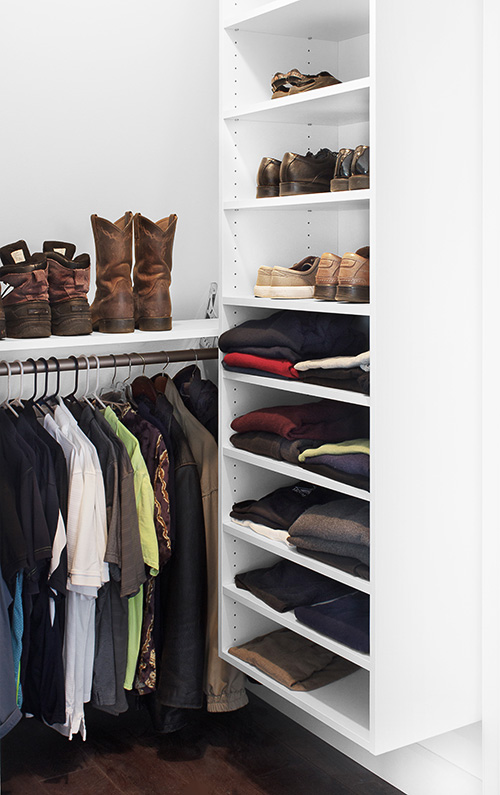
pixel 300 174
pixel 268 178
pixel 327 277
pixel 354 277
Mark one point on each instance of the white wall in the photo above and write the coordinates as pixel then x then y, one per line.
pixel 108 106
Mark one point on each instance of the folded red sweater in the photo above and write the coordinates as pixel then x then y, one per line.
pixel 277 366
pixel 323 420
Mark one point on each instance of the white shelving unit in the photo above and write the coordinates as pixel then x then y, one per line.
pixel 421 676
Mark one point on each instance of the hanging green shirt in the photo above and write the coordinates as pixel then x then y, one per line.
pixel 144 496
pixel 144 499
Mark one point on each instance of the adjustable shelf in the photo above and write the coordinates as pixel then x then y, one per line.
pixel 289 621
pixel 343 705
pixel 295 472
pixel 299 388
pixel 320 201
pixel 302 305
pixel 283 550
pixel 318 19
pixel 347 103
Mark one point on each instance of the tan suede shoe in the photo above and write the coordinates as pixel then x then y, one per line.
pixel 295 282
pixel 354 277
pixel 327 277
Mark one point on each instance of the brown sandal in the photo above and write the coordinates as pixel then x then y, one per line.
pixel 294 82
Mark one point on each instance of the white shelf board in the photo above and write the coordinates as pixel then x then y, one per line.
pixel 345 103
pixel 289 621
pixel 335 200
pixel 343 705
pixel 181 330
pixel 302 304
pixel 290 385
pixel 293 471
pixel 283 550
pixel 319 19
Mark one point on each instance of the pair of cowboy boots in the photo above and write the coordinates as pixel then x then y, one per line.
pixel 118 306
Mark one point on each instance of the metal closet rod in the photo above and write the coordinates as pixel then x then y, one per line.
pixel 108 360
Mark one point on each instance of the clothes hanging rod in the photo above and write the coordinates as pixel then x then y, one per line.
pixel 109 360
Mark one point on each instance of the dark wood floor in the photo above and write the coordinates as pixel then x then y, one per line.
pixel 255 751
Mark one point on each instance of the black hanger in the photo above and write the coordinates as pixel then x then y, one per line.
pixel 46 364
pixel 71 397
pixel 35 380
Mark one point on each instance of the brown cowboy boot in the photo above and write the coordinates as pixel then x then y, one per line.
pixel 26 305
pixel 69 280
pixel 152 272
pixel 112 310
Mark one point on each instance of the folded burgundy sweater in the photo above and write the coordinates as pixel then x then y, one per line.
pixel 326 419
pixel 277 366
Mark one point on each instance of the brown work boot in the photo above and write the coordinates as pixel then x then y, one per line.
pixel 26 305
pixel 308 173
pixel 112 310
pixel 152 272
pixel 69 280
pixel 327 277
pixel 354 277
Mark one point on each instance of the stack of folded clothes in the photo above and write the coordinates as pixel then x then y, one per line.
pixel 352 456
pixel 285 432
pixel 329 607
pixel 272 515
pixel 337 528
pixel 272 346
pixel 345 620
pixel 293 661
pixel 286 586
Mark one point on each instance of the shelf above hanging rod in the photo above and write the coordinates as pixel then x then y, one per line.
pixel 109 360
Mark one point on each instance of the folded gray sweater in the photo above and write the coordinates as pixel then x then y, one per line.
pixel 346 520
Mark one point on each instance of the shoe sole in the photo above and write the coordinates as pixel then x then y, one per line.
pixel 114 325
pixel 325 292
pixel 28 320
pixel 291 292
pixel 154 323
pixel 339 183
pixel 267 191
pixel 353 295
pixel 71 318
pixel 261 292
pixel 359 182
pixel 298 188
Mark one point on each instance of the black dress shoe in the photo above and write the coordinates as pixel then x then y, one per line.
pixel 342 171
